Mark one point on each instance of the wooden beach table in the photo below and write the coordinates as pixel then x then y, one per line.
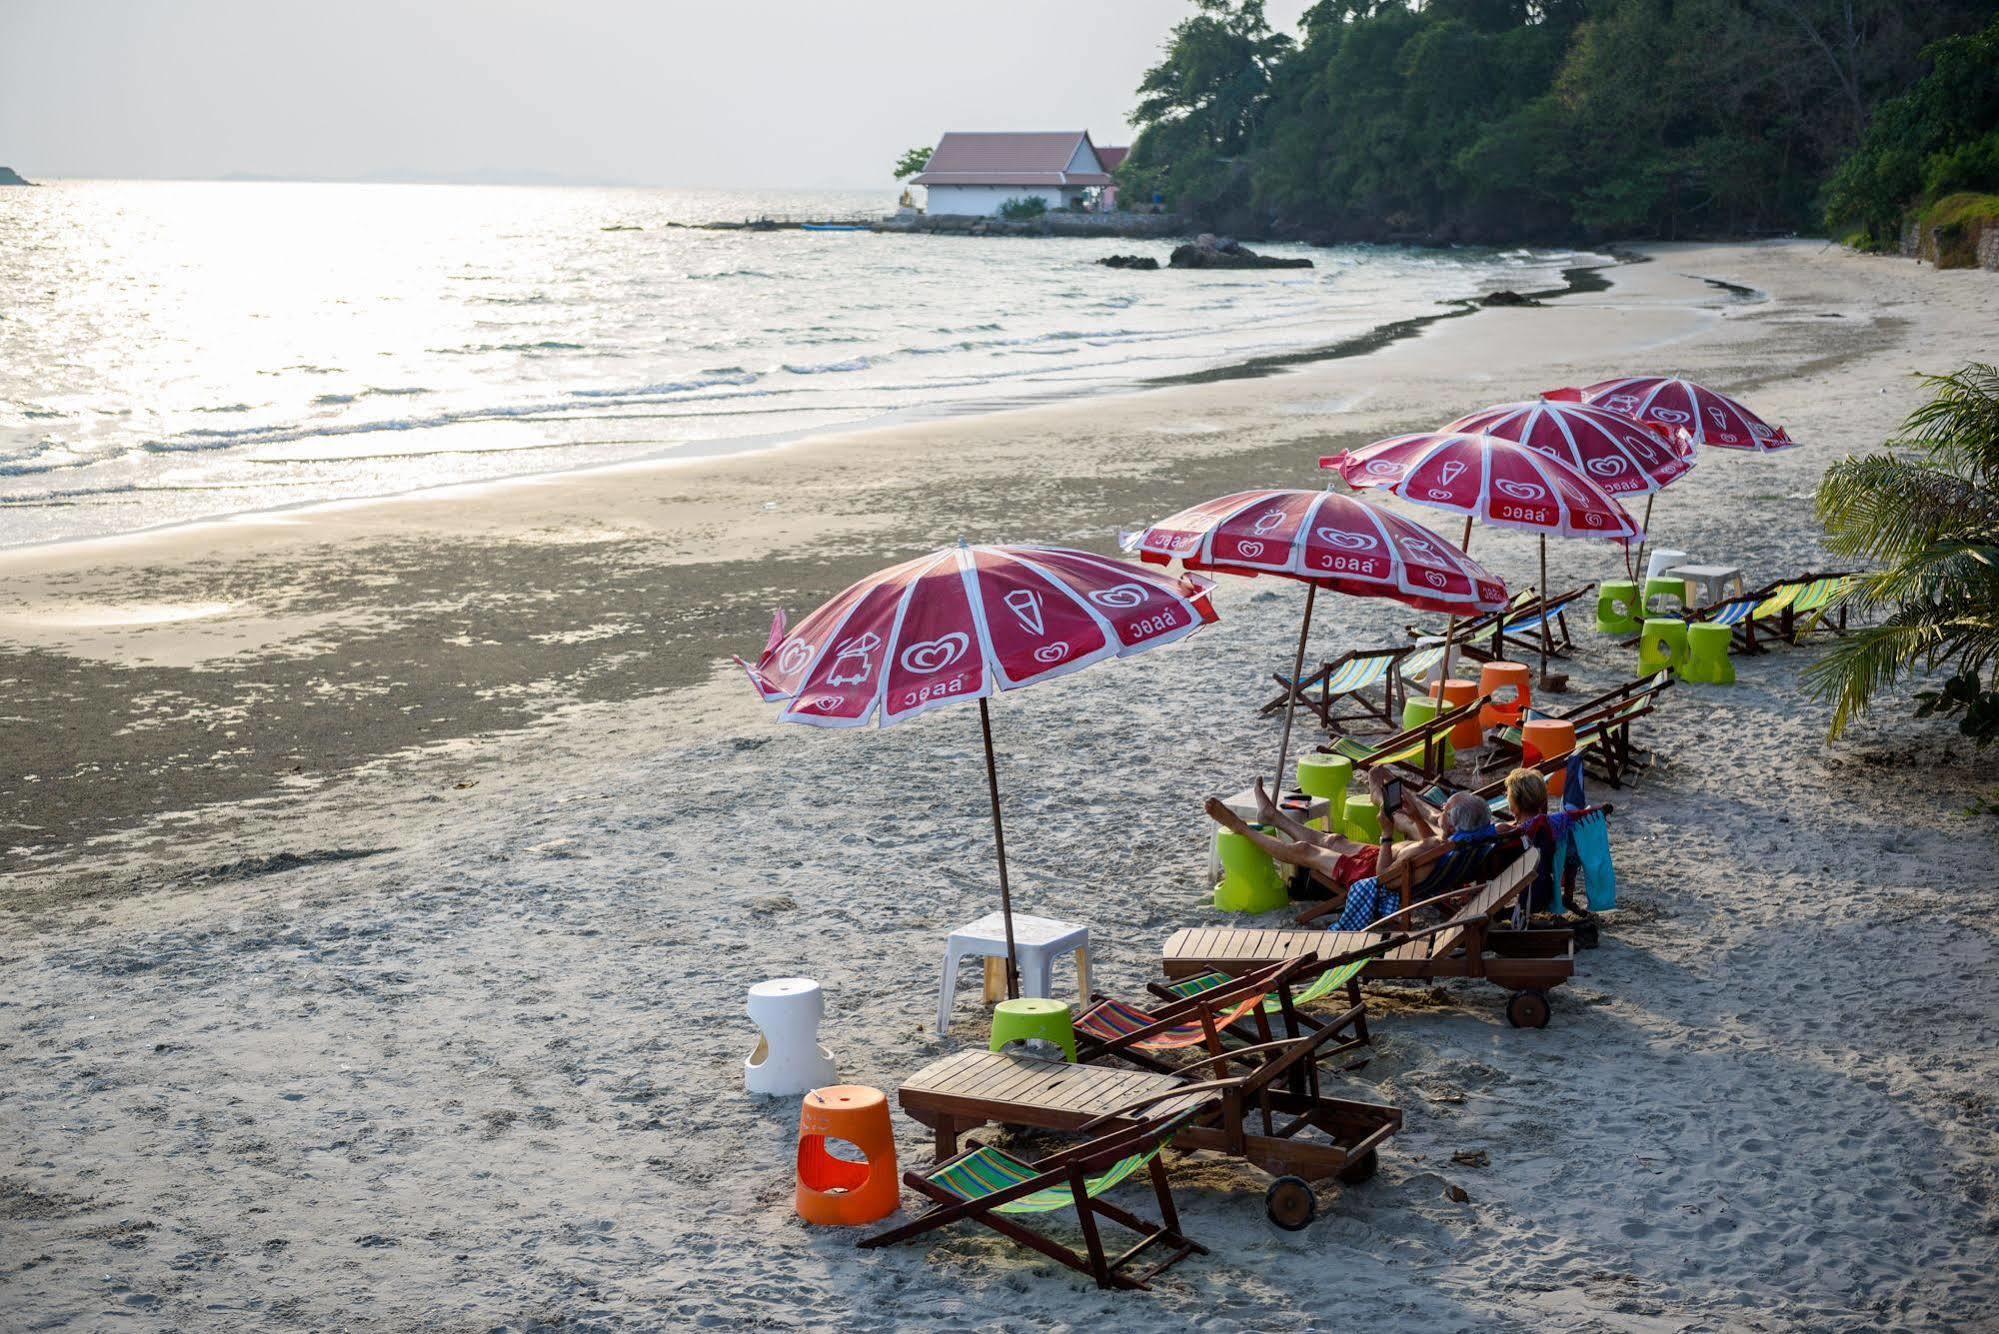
pixel 1528 963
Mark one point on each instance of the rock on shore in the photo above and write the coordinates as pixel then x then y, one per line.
pixel 8 176
pixel 1208 251
pixel 1129 262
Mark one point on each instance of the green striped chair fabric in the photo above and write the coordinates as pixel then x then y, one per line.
pixel 1359 674
pixel 1324 984
pixel 987 1171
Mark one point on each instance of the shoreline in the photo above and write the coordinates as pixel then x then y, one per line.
pixel 1577 279
pixel 380 958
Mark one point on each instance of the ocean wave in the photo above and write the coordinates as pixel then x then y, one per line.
pixel 480 349
pixel 724 378
pixel 228 407
pixel 831 367
pixel 727 273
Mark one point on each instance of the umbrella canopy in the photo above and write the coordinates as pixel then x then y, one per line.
pixel 1328 539
pixel 1623 456
pixel 1489 479
pixel 1324 540
pixel 1673 405
pixel 960 623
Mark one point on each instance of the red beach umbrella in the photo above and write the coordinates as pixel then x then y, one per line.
pixel 1325 540
pixel 961 623
pixel 1672 405
pixel 1493 480
pixel 1623 456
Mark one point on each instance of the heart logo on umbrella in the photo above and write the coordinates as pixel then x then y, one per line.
pixel 1607 465
pixel 1348 541
pixel 1119 597
pixel 1249 550
pixel 934 655
pixel 794 656
pixel 1051 653
pixel 1521 490
pixel 1671 416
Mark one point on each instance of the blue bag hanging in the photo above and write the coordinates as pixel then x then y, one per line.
pixel 1588 840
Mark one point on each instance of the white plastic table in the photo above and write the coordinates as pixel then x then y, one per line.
pixel 1038 941
pixel 1715 582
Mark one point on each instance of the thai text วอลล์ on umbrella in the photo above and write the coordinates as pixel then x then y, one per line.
pixel 1494 481
pixel 1326 540
pixel 959 624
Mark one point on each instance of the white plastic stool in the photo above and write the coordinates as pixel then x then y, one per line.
pixel 788 1059
pixel 1038 941
pixel 1663 559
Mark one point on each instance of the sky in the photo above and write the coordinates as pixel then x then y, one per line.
pixel 735 93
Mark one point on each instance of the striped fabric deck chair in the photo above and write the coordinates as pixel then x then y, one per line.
pixel 1347 679
pixel 1821 604
pixel 1603 729
pixel 1420 747
pixel 990 1186
pixel 1478 629
pixel 1523 627
pixel 1148 1038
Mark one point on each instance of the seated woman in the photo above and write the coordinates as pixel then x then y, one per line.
pixel 1345 863
pixel 1527 796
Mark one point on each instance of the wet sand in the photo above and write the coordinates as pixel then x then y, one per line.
pixel 383 882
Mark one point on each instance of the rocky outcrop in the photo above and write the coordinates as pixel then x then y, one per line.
pixel 1208 251
pixel 1129 262
pixel 1506 297
pixel 1146 225
pixel 8 176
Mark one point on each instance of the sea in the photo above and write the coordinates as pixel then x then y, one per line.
pixel 178 351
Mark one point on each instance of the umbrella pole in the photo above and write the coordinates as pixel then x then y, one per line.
pixel 999 845
pixel 1451 626
pixel 1545 643
pixel 1297 670
pixel 1634 563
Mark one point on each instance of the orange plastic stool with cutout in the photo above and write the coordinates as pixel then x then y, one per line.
pixel 1544 739
pixel 833 1190
pixel 1469 734
pixel 1497 676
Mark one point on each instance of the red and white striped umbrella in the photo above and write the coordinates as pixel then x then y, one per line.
pixel 964 621
pixel 1623 456
pixel 1495 481
pixel 1487 478
pixel 961 623
pixel 1677 406
pixel 1327 539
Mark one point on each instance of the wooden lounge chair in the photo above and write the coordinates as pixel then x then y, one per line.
pixel 1299 1135
pixel 1820 605
pixel 1467 637
pixel 1523 627
pixel 1777 610
pixel 990 1186
pixel 1603 724
pixel 1529 963
pixel 1348 679
pixel 1156 1038
pixel 1420 747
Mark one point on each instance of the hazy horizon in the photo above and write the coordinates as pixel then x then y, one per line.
pixel 610 92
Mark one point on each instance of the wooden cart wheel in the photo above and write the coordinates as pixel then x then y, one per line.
pixel 1360 1169
pixel 1528 1009
pixel 1291 1203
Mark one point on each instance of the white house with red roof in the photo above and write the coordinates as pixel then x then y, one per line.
pixel 975 172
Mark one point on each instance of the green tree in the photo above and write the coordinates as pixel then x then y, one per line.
pixel 912 161
pixel 1200 107
pixel 1928 510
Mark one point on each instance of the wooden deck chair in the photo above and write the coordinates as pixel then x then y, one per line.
pixel 1348 678
pixel 1603 723
pixel 989 1186
pixel 1420 747
pixel 1108 1027
pixel 1820 605
pixel 1258 1117
pixel 1527 963
pixel 1523 627
pixel 1741 614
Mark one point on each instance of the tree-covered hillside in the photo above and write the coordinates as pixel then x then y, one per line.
pixel 1502 120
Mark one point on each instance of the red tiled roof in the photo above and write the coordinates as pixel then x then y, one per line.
pixel 1110 157
pixel 962 158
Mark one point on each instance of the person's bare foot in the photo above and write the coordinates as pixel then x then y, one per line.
pixel 1265 807
pixel 1219 812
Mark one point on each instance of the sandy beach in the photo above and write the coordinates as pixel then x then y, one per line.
pixel 382 883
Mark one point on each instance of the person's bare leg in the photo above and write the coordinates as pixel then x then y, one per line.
pixel 1284 850
pixel 1296 829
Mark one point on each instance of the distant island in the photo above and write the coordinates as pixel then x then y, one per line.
pixel 8 176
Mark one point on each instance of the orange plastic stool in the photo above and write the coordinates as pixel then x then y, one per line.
pixel 1469 734
pixel 833 1190
pixel 1497 676
pixel 1544 739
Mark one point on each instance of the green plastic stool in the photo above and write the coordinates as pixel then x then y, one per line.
pixel 1662 587
pixel 1662 643
pixel 1421 709
pixel 1361 821
pixel 1707 656
pixel 1019 1020
pixel 1617 608
pixel 1327 776
pixel 1250 882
